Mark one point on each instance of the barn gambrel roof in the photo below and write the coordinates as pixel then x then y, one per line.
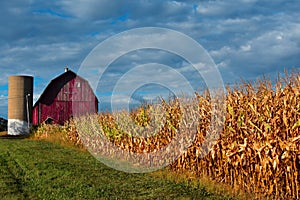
pixel 55 86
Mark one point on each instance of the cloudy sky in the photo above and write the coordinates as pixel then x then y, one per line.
pixel 245 38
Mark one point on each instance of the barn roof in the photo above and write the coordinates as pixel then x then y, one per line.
pixel 55 85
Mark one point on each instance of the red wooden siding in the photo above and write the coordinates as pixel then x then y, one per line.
pixel 66 96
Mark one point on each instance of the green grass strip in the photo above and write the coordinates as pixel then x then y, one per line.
pixel 41 170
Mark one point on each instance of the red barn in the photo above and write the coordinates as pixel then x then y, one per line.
pixel 67 95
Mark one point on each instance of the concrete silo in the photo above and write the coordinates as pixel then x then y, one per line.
pixel 20 99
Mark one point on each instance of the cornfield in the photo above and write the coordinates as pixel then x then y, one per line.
pixel 258 149
pixel 66 134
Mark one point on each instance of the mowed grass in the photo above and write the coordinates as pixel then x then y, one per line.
pixel 31 169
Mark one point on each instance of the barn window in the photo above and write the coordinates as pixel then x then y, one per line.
pixel 78 84
pixel 49 120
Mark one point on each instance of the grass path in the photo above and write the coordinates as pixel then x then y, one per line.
pixel 41 170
